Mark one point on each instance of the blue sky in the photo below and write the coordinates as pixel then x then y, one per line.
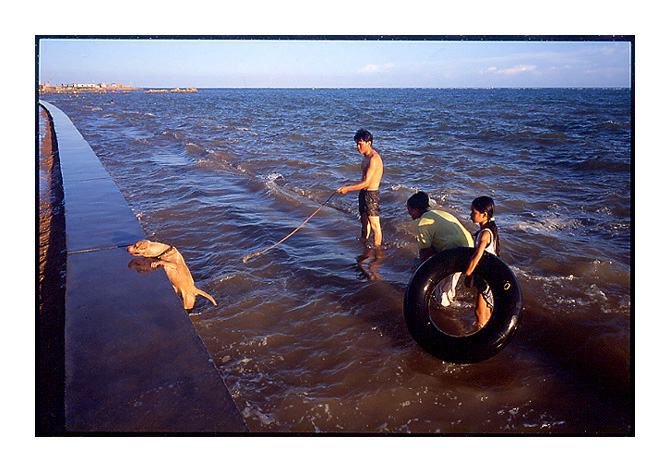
pixel 335 63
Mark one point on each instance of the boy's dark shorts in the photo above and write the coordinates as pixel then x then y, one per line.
pixel 369 202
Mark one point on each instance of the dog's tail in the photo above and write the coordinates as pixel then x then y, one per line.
pixel 206 295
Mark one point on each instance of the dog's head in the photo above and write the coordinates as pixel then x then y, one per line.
pixel 139 248
pixel 145 248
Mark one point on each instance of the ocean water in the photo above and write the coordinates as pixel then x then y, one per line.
pixel 310 336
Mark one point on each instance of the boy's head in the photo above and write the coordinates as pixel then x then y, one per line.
pixel 418 204
pixel 419 201
pixel 363 135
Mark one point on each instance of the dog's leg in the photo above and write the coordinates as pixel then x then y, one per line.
pixel 189 300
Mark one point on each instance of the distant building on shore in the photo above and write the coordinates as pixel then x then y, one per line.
pixel 83 87
pixel 103 88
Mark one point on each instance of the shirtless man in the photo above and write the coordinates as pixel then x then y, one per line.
pixel 369 194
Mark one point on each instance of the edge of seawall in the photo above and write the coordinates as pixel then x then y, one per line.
pixel 133 360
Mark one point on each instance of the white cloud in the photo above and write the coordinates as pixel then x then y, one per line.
pixel 375 68
pixel 510 71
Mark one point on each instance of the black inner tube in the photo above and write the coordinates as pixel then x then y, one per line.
pixel 488 340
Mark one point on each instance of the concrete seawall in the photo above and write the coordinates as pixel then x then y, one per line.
pixel 133 360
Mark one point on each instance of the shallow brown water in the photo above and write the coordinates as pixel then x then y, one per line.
pixel 310 336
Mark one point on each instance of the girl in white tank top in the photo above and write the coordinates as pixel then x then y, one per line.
pixel 486 240
pixel 491 247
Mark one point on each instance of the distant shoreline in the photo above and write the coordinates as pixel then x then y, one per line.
pixel 175 90
pixel 104 88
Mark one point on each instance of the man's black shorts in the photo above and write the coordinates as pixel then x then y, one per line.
pixel 369 202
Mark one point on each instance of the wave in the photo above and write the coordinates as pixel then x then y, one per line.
pixel 172 135
pixel 604 164
pixel 272 177
pixel 299 137
pixel 613 126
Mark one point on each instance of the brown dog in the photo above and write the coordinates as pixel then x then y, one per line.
pixel 173 263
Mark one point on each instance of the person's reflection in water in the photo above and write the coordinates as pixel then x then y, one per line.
pixel 369 262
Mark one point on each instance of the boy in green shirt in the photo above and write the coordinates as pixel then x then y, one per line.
pixel 437 230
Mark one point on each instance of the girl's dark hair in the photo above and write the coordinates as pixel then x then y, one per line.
pixel 486 205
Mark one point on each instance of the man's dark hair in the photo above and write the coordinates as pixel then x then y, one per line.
pixel 363 135
pixel 419 201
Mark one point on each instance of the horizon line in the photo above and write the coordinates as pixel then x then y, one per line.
pixel 381 88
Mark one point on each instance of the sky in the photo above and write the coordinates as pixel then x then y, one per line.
pixel 335 63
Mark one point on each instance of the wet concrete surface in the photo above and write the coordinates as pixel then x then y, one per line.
pixel 133 359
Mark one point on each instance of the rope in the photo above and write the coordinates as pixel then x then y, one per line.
pixel 96 249
pixel 246 258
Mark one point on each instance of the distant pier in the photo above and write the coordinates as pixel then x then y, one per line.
pixel 175 90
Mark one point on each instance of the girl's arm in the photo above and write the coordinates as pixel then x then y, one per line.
pixel 485 238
